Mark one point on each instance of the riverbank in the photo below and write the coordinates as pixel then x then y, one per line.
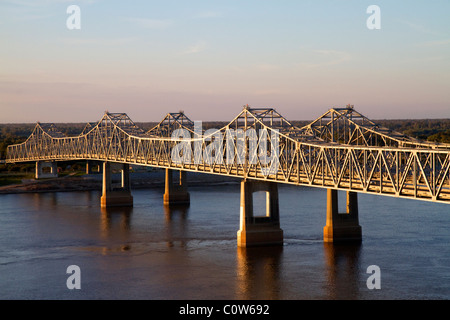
pixel 139 180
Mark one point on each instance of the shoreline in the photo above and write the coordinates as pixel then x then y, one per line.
pixel 93 182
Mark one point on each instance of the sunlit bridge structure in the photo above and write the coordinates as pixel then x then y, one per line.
pixel 340 150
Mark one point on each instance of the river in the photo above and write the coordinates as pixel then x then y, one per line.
pixel 152 252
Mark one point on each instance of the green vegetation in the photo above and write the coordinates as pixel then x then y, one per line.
pixel 14 178
pixel 443 136
pixel 437 130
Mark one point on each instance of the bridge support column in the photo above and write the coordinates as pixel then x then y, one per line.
pixel 116 195
pixel 53 172
pixel 176 194
pixel 89 167
pixel 259 230
pixel 342 227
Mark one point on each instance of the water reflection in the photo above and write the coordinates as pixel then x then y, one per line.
pixel 172 212
pixel 175 217
pixel 37 200
pixel 258 271
pixel 90 198
pixel 343 270
pixel 115 225
pixel 54 199
pixel 42 200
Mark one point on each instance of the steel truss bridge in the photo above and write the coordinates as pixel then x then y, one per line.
pixel 342 149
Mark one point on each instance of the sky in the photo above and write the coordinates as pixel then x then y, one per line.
pixel 209 58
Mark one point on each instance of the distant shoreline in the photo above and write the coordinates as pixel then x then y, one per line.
pixel 94 182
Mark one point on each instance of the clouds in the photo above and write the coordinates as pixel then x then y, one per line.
pixel 435 43
pixel 207 15
pixel 325 58
pixel 175 20
pixel 420 28
pixel 279 53
pixel 40 3
pixel 196 48
pixel 147 23
pixel 80 41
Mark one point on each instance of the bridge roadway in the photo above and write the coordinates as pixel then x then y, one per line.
pixel 340 150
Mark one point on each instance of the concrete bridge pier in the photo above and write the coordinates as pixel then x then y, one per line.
pixel 88 167
pixel 259 230
pixel 176 193
pixel 114 195
pixel 51 173
pixel 93 167
pixel 341 227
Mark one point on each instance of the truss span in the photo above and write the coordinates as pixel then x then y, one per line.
pixel 342 149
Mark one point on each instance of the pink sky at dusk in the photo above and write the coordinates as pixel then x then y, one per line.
pixel 210 58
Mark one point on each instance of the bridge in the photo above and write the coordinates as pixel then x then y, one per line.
pixel 341 150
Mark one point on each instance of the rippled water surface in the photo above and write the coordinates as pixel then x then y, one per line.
pixel 152 252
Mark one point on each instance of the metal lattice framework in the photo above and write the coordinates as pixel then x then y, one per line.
pixel 342 150
pixel 172 121
pixel 347 126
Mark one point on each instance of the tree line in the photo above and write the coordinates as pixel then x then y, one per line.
pixel 437 130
